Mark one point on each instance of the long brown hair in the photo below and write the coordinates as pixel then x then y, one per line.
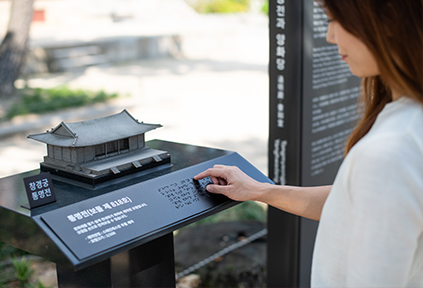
pixel 392 31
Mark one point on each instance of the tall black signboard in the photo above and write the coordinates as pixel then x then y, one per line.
pixel 313 109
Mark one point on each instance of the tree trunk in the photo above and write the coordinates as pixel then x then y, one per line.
pixel 13 49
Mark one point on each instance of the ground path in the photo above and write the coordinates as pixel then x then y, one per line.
pixel 215 95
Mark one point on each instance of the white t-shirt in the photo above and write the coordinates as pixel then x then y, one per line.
pixel 371 228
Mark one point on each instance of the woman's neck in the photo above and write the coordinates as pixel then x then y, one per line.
pixel 396 95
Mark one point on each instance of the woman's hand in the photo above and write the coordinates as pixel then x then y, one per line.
pixel 231 182
pixel 235 184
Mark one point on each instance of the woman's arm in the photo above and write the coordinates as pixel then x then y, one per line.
pixel 235 184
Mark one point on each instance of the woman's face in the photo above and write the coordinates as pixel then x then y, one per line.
pixel 353 51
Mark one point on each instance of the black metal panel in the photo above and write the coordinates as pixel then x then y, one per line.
pixel 313 101
pixel 329 107
pixel 282 248
pixel 26 229
pixel 284 137
pixel 97 275
pixel 149 265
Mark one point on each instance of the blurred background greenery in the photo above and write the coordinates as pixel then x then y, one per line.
pixel 220 6
pixel 226 6
pixel 38 100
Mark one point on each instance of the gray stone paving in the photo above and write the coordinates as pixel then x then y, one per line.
pixel 215 95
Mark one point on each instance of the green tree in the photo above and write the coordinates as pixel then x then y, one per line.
pixel 14 46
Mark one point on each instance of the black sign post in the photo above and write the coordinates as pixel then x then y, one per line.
pixel 313 109
pixel 118 233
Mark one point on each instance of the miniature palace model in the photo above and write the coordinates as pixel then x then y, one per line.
pixel 95 151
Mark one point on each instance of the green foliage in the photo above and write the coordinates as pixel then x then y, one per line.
pixel 7 272
pixel 7 251
pixel 265 7
pixel 39 284
pixel 23 271
pixel 245 211
pixel 222 6
pixel 6 275
pixel 17 271
pixel 44 100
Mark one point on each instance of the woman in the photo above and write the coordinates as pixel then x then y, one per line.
pixel 371 219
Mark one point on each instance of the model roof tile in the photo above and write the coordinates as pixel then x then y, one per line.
pixel 94 132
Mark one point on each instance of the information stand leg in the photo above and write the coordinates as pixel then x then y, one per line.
pixel 282 249
pixel 97 275
pixel 149 265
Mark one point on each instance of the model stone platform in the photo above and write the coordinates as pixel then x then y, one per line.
pixel 94 151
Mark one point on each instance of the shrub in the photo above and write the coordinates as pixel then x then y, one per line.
pixel 222 6
pixel 23 271
pixel 265 7
pixel 39 100
pixel 227 6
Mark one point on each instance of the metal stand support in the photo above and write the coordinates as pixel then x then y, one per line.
pixel 282 249
pixel 149 265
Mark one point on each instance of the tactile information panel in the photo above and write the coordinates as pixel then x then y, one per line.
pixel 101 223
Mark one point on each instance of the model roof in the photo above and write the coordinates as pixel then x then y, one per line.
pixel 94 132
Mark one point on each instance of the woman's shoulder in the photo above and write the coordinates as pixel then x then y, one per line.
pixel 399 124
pixel 396 138
pixel 391 154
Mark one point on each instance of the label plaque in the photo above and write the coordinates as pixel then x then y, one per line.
pixel 39 189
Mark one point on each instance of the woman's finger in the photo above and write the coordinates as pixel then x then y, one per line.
pixel 222 181
pixel 218 189
pixel 215 180
pixel 217 172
